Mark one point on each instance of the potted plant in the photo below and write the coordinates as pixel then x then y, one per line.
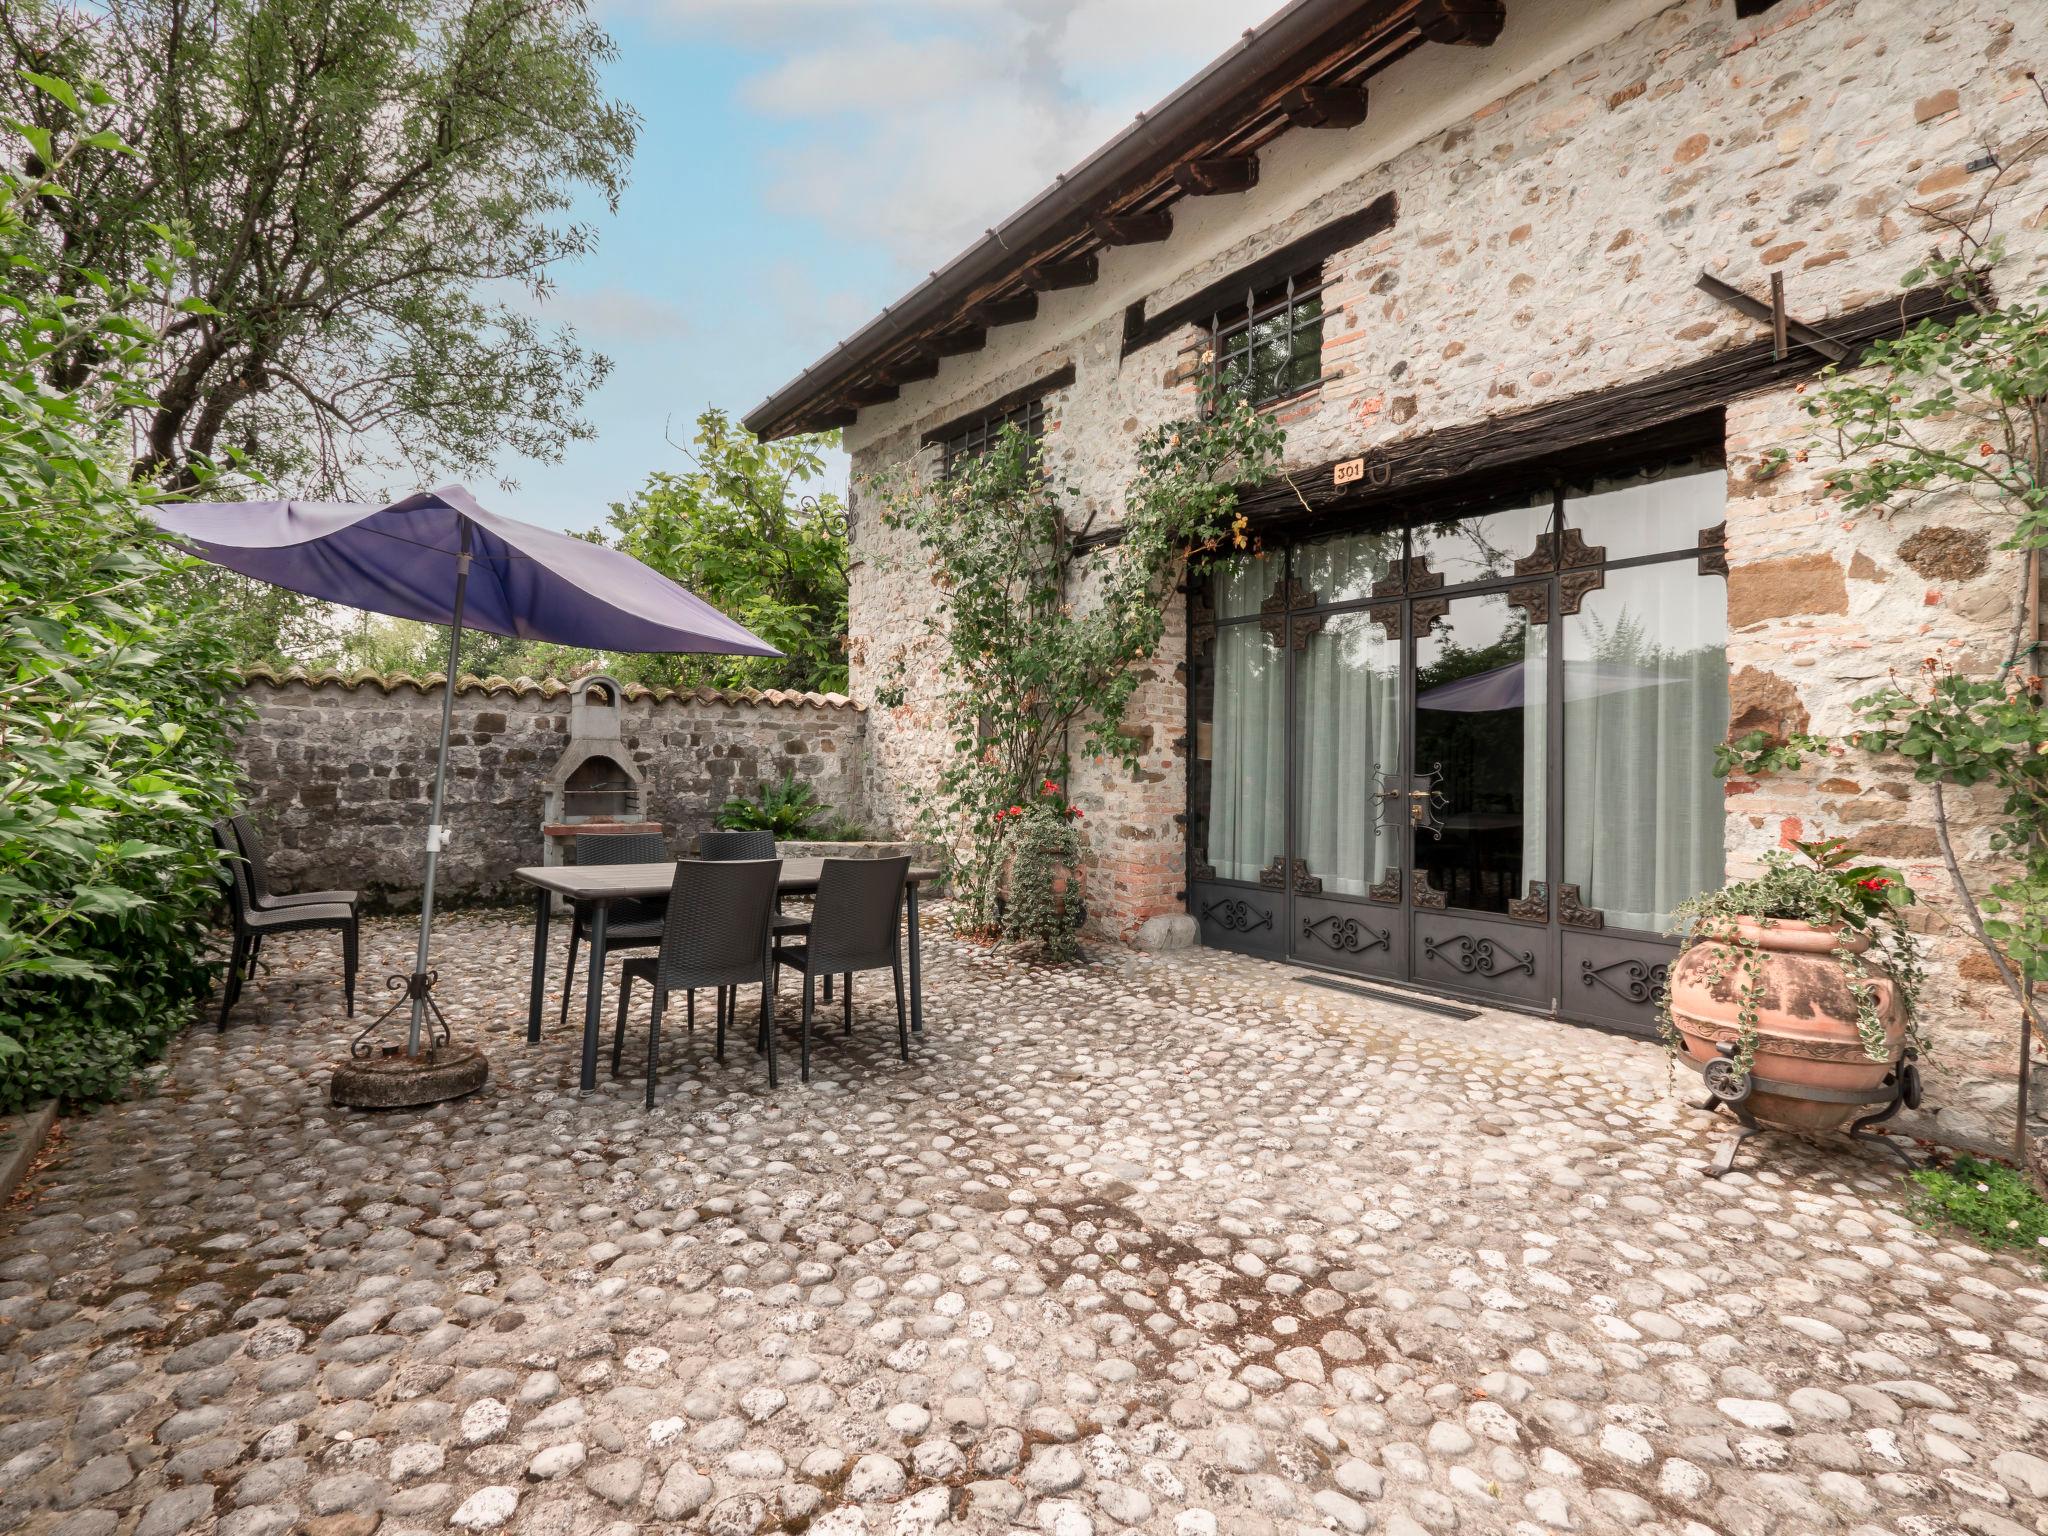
pixel 1040 903
pixel 1809 970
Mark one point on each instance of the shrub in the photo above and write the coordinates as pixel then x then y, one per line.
pixel 788 809
pixel 117 702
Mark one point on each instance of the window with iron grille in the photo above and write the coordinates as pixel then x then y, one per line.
pixel 1271 345
pixel 980 435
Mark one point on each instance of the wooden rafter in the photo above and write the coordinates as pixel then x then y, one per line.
pixel 1134 228
pixel 1217 175
pixel 1324 106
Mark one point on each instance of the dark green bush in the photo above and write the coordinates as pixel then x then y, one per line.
pixel 117 702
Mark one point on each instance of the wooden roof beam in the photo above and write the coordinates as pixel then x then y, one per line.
pixel 1324 106
pixel 873 394
pixel 958 343
pixel 914 369
pixel 1133 228
pixel 1218 175
pixel 1005 311
pixel 1048 276
pixel 1466 23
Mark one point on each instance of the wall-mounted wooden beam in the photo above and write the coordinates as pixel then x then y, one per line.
pixel 1466 23
pixel 1051 275
pixel 873 394
pixel 913 369
pixel 1219 175
pixel 959 343
pixel 1324 106
pixel 1134 228
pixel 829 421
pixel 1005 311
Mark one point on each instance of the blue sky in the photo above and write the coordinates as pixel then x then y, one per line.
pixel 802 163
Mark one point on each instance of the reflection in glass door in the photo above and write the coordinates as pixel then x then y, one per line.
pixel 1477 789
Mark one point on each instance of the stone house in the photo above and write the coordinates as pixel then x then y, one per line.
pixel 1504 273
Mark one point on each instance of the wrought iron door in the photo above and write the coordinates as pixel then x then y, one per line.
pixel 1387 774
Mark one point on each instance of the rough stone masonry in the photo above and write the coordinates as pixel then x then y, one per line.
pixel 339 771
pixel 1559 194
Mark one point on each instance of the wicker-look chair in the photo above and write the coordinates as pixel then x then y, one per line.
pixel 630 924
pixel 856 925
pixel 717 933
pixel 253 924
pixel 260 889
pixel 722 846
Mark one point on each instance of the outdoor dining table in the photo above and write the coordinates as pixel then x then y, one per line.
pixel 595 887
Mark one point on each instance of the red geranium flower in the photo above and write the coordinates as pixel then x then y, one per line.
pixel 1874 883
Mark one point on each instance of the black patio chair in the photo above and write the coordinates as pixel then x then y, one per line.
pixel 265 895
pixel 261 894
pixel 632 924
pixel 856 925
pixel 717 933
pixel 723 846
pixel 252 925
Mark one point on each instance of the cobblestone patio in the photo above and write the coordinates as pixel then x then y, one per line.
pixel 1176 1244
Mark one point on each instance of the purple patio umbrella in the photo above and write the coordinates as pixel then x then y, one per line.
pixel 1505 687
pixel 439 557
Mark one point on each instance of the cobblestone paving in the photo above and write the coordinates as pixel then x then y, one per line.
pixel 1172 1244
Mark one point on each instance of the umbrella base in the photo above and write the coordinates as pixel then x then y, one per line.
pixel 399 1081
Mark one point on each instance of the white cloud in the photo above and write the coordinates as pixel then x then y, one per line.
pixel 610 315
pixel 931 120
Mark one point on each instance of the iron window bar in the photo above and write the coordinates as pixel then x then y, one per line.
pixel 974 440
pixel 1271 346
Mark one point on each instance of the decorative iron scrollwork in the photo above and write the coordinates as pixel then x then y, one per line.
pixel 1386 890
pixel 1638 980
pixel 1714 550
pixel 1287 595
pixel 1482 956
pixel 1422 894
pixel 1534 907
pixel 1200 868
pixel 1388 617
pixel 1410 575
pixel 1274 876
pixel 1305 628
pixel 1573 586
pixel 1533 598
pixel 1346 935
pixel 1422 616
pixel 1554 550
pixel 1236 915
pixel 1305 883
pixel 1418 803
pixel 1574 915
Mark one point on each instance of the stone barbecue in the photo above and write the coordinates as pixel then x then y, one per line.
pixel 596 783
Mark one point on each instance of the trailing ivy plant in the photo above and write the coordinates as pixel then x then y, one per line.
pixel 1042 633
pixel 1961 407
pixel 1826 884
pixel 1759 752
pixel 118 704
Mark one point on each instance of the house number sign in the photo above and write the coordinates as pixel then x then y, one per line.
pixel 1348 472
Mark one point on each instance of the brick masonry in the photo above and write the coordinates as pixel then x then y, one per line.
pixel 339 771
pixel 1558 195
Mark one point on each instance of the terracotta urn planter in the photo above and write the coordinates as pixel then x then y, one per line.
pixel 1806 1017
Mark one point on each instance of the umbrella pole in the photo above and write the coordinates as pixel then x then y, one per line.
pixel 435 833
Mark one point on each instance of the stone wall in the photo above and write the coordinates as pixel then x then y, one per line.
pixel 1558 195
pixel 339 771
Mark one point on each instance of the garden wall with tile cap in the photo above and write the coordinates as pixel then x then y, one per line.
pixel 1559 193
pixel 339 771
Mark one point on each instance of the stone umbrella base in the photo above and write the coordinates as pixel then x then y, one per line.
pixel 399 1081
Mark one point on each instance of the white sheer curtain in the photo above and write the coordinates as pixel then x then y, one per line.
pixel 1646 699
pixel 1348 712
pixel 1247 772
